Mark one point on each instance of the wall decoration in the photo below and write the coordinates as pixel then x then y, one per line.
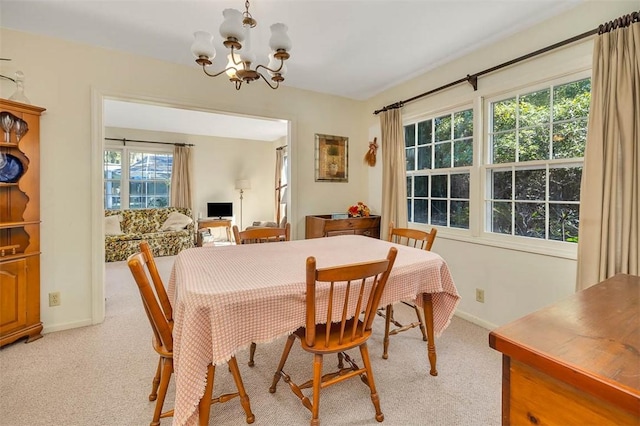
pixel 332 158
pixel 370 156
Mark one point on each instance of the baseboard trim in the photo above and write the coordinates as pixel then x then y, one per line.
pixel 66 326
pixel 477 321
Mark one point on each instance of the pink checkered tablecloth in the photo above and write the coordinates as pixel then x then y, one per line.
pixel 226 297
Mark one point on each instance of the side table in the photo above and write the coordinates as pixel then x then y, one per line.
pixel 213 223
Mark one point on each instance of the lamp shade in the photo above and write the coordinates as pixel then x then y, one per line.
pixel 243 184
pixel 279 38
pixel 203 45
pixel 232 25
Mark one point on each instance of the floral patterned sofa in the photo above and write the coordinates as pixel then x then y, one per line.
pixel 137 225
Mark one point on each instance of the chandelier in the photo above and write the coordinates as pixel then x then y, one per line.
pixel 235 31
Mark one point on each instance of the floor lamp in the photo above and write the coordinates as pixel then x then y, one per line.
pixel 242 184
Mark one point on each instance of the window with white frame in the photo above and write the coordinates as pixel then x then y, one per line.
pixel 439 155
pixel 535 148
pixel 136 178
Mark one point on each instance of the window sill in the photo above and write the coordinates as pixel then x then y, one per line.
pixel 523 244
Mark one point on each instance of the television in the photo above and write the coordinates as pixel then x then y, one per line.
pixel 219 210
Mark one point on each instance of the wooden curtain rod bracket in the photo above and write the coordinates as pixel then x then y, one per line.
pixel 473 80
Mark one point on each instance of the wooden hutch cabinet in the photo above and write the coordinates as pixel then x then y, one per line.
pixel 19 222
pixel 324 226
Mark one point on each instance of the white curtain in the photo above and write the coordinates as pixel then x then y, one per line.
pixel 609 212
pixel 394 176
pixel 181 180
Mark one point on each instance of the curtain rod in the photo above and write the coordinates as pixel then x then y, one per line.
pixel 281 147
pixel 124 141
pixel 472 79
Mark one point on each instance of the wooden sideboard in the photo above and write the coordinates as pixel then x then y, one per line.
pixel 576 362
pixel 318 226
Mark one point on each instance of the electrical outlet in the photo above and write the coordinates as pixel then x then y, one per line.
pixel 54 298
pixel 479 295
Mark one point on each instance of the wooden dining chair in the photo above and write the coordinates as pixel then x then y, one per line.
pixel 260 235
pixel 420 240
pixel 341 303
pixel 164 304
pixel 158 309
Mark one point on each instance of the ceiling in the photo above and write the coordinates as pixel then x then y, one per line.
pixel 350 48
pixel 130 115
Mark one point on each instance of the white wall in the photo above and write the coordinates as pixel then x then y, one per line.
pixel 61 76
pixel 516 282
pixel 217 164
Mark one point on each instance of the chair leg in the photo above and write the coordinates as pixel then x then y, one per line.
pixel 204 406
pixel 165 376
pixel 317 381
pixel 422 328
pixel 252 352
pixel 387 327
pixel 364 352
pixel 244 398
pixel 283 359
pixel 156 382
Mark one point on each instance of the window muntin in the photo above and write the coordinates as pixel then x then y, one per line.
pixel 112 167
pixel 536 144
pixel 136 178
pixel 439 156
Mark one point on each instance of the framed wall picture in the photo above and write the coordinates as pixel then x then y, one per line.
pixel 332 158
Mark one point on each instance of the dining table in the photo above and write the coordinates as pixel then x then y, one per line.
pixel 225 298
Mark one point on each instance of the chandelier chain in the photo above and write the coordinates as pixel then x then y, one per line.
pixel 248 19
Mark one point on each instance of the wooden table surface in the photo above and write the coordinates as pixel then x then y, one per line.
pixel 590 341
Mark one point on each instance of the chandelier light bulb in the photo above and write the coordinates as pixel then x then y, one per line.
pixel 203 45
pixel 231 67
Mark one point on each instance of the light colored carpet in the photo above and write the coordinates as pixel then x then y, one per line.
pixel 101 375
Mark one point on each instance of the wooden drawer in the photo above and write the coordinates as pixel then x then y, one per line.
pixel 536 398
pixel 324 226
pixel 353 223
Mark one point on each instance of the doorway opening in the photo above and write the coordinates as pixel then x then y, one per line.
pixel 120 114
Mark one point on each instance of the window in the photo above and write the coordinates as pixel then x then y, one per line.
pixel 112 163
pixel 439 155
pixel 536 144
pixel 136 179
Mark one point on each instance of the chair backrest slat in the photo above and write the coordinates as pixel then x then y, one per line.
pixel 365 280
pixel 361 296
pixel 157 281
pixel 138 264
pixel 262 234
pixel 412 237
